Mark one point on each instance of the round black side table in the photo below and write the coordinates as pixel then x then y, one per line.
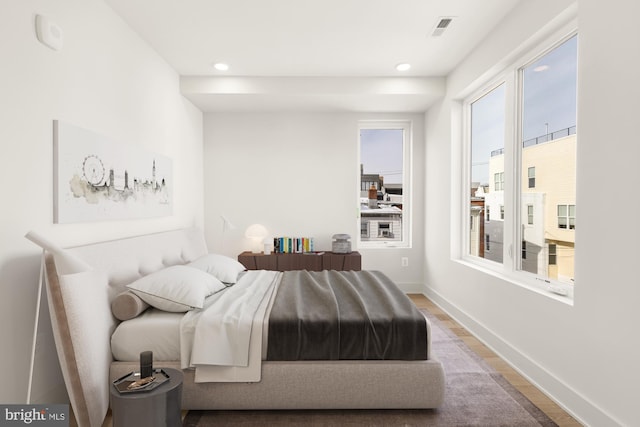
pixel 154 408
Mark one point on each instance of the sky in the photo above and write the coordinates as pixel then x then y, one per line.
pixel 549 91
pixel 549 105
pixel 381 153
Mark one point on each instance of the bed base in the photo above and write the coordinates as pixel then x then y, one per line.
pixel 317 385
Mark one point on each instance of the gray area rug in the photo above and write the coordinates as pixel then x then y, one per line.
pixel 475 395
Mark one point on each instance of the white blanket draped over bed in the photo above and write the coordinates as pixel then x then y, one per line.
pixel 223 340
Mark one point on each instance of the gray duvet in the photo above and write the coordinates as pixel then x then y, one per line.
pixel 344 315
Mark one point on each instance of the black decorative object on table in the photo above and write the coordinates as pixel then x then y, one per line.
pixel 146 364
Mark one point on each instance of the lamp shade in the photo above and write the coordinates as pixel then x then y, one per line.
pixel 256 231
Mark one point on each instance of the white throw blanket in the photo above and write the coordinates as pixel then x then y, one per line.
pixel 223 340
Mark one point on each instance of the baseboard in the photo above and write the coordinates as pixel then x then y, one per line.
pixel 578 406
pixel 411 288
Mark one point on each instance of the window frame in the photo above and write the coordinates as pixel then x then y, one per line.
pixel 511 77
pixel 498 181
pixel 553 254
pixel 568 217
pixel 366 227
pixel 407 160
pixel 531 177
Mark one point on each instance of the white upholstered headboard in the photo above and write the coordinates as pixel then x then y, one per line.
pixel 126 260
pixel 80 307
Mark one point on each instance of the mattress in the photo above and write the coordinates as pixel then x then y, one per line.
pixel 154 330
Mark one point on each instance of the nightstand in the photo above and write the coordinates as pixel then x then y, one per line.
pixel 159 407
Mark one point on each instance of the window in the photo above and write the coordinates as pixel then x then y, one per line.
pixel 520 147
pixel 567 217
pixel 487 163
pixel 366 185
pixel 548 139
pixel 498 181
pixel 384 229
pixel 552 254
pixel 385 149
pixel 364 229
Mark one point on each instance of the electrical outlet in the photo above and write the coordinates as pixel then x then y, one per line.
pixel 404 261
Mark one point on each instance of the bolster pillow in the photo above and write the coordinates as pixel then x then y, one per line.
pixel 127 305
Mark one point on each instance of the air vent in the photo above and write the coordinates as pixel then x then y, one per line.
pixel 442 25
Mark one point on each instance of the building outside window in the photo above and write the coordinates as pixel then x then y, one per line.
pixel 384 167
pixel 544 119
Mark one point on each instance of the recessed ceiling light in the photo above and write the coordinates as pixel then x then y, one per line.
pixel 403 67
pixel 540 68
pixel 221 66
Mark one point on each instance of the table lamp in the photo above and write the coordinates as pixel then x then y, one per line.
pixel 257 233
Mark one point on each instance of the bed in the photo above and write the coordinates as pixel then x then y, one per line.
pixel 84 325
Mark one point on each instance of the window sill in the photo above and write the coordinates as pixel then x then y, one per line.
pixel 518 279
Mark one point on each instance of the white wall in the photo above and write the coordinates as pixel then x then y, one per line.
pixel 297 174
pixel 105 79
pixel 585 356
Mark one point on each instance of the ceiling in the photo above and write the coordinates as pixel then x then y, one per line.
pixel 322 43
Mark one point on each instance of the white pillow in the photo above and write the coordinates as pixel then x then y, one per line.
pixel 178 288
pixel 224 268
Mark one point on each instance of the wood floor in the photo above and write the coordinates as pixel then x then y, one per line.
pixel 553 411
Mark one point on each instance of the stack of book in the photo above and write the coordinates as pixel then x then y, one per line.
pixel 293 245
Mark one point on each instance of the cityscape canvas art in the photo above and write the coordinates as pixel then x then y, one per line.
pixel 98 179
